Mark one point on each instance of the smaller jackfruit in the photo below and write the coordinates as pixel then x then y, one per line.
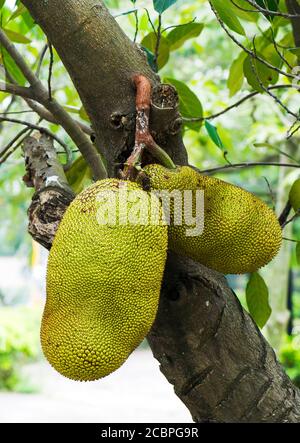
pixel 241 233
pixel 103 280
pixel 294 196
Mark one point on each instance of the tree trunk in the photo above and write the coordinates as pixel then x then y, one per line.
pixel 208 347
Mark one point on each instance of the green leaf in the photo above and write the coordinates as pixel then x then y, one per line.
pixel 19 11
pixel 249 16
pixel 149 42
pixel 227 15
pixel 2 3
pixel 161 6
pixel 236 75
pixel 79 175
pixel 298 252
pixel 16 37
pixel 189 104
pixel 294 196
pixel 12 68
pixel 257 297
pixel 178 36
pixel 214 135
pixel 150 58
pixel 261 71
pixel 271 5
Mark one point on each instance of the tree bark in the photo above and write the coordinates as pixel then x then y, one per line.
pixel 208 347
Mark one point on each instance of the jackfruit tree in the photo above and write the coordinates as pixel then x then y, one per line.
pixel 131 128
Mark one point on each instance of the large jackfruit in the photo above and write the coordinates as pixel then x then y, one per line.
pixel 103 282
pixel 241 233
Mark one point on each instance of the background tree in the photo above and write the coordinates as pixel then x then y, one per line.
pixel 209 348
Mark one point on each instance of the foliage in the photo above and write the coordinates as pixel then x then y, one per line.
pixel 290 358
pixel 19 344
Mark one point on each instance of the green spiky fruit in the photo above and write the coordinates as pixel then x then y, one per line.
pixel 241 233
pixel 103 283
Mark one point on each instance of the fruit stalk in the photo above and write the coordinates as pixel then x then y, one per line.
pixel 143 138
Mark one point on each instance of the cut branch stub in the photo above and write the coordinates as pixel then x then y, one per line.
pixel 53 193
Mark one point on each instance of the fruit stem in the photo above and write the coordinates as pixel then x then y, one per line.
pixel 143 137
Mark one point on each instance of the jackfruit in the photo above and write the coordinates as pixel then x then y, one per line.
pixel 241 233
pixel 103 281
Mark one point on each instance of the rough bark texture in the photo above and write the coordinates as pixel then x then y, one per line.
pixel 53 194
pixel 208 347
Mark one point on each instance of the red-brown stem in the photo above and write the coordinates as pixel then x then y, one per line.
pixel 143 137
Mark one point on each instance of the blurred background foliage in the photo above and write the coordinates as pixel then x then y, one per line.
pixel 211 73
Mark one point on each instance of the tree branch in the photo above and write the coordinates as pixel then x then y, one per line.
pixel 248 51
pixel 74 131
pixel 235 105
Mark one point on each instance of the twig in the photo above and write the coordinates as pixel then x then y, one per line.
pixel 13 141
pixel 292 131
pixel 41 59
pixel 267 11
pixel 248 51
pixel 158 40
pixel 235 105
pixel 278 52
pixel 179 26
pixel 277 100
pixel 249 165
pixel 27 133
pixel 285 213
pixel 41 129
pixel 136 15
pixel 16 90
pixel 291 219
pixel 50 70
pixel 291 239
pixel 83 143
pixel 150 21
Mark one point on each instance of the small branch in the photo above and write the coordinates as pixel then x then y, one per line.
pixel 248 51
pixel 158 39
pixel 41 59
pixel 150 21
pixel 136 15
pixel 16 90
pixel 264 10
pixel 285 213
pixel 296 215
pixel 235 105
pixel 277 100
pixel 50 70
pixel 250 165
pixel 42 130
pixel 11 143
pixel 178 26
pixel 83 143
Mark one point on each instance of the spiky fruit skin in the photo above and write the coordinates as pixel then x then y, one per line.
pixel 241 233
pixel 103 287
